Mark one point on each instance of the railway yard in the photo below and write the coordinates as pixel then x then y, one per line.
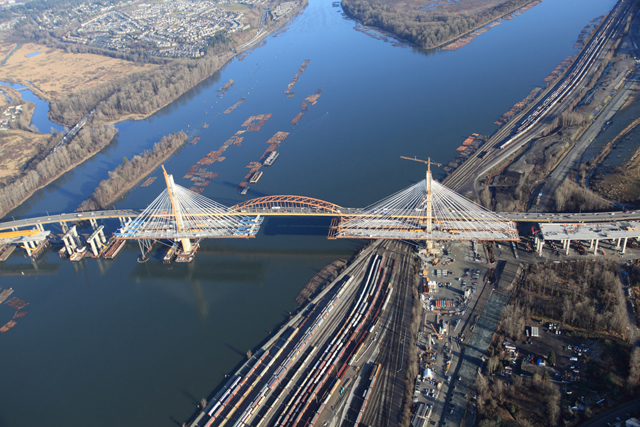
pixel 376 347
pixel 343 359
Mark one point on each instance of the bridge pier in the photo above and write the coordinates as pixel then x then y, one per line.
pixel 29 246
pixel 93 222
pixel 71 240
pixel 595 249
pixel 64 226
pixel 618 243
pixel 39 227
pixel 568 246
pixel 97 239
pixel 624 245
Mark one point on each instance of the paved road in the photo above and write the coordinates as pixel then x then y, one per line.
pixel 511 216
pixel 572 159
pixel 610 416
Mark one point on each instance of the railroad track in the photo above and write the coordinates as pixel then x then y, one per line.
pixel 385 404
pixel 590 56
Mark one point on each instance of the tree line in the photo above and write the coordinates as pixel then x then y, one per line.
pixel 52 162
pixel 425 29
pixel 583 294
pixel 130 172
pixel 139 93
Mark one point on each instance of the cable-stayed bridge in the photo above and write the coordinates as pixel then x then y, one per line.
pixel 425 211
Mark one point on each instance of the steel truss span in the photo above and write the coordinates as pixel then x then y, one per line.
pixel 288 205
pixel 200 218
pixel 404 215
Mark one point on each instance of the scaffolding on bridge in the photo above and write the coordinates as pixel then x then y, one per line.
pixel 179 214
pixel 426 211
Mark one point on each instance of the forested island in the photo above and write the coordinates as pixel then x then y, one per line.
pixel 429 29
pixel 54 160
pixel 125 176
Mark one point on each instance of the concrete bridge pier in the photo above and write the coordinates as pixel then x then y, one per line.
pixel 567 246
pixel 591 245
pixel 64 226
pixel 97 240
pixel 624 245
pixel 93 222
pixel 595 249
pixel 39 227
pixel 618 243
pixel 71 240
pixel 29 246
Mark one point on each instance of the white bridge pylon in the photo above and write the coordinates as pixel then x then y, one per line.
pixel 180 214
pixel 426 211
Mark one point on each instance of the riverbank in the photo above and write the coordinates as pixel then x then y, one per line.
pixel 62 159
pixel 130 173
pixel 418 30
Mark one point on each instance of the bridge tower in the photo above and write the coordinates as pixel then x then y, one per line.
pixel 177 212
pixel 429 206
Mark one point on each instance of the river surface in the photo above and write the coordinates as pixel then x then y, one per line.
pixel 122 343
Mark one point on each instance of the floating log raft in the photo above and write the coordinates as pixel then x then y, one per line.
pixel 5 294
pixel 10 324
pixel 518 107
pixel 226 86
pixel 148 181
pixel 297 118
pixel 234 106
pixel 17 303
pixel 297 76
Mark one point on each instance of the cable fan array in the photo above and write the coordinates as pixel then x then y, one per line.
pixel 403 215
pixel 201 218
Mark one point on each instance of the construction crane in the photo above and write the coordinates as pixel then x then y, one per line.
pixel 428 162
pixel 434 330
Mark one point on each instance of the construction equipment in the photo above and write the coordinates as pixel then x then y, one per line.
pixel 434 330
pixel 416 159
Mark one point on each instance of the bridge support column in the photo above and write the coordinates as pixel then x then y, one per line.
pixel 93 222
pixel 64 227
pixel 94 248
pixel 595 249
pixel 568 247
pixel 618 244
pixel 39 227
pixel 27 248
pixel 96 240
pixel 591 245
pixel 71 240
pixel 624 245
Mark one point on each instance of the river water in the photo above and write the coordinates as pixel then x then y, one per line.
pixel 122 343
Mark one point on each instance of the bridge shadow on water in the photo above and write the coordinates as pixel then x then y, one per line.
pixel 207 270
pixel 296 226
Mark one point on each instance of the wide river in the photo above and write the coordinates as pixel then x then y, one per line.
pixel 126 344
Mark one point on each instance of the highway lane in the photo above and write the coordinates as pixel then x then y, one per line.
pixel 510 216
